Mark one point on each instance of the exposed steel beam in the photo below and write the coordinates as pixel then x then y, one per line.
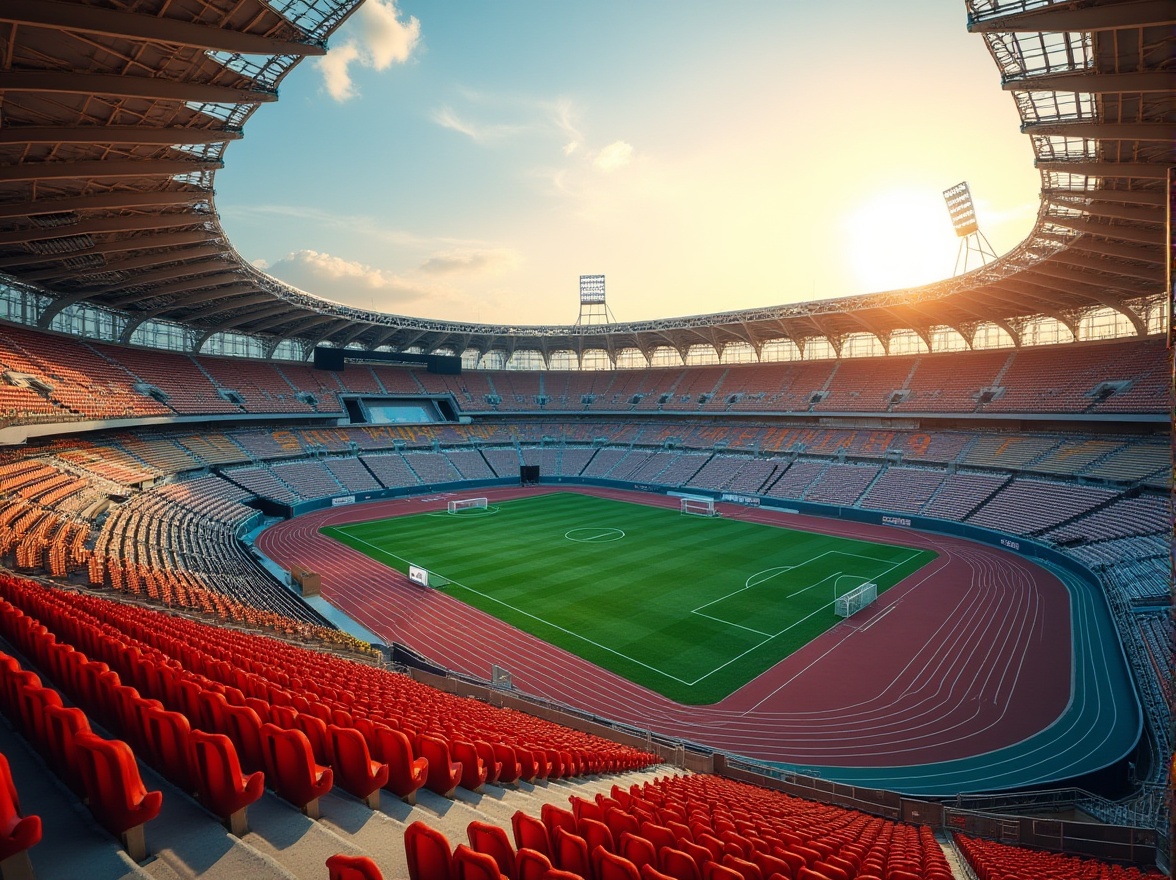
pixel 102 202
pixel 1152 197
pixel 1079 276
pixel 1139 170
pixel 115 134
pixel 1117 249
pixel 1107 209
pixel 97 169
pixel 1092 83
pixel 1059 17
pixel 169 273
pixel 1106 131
pixel 140 262
pixel 192 283
pixel 103 225
pixel 151 88
pixel 1152 272
pixel 1122 233
pixel 116 245
pixel 84 19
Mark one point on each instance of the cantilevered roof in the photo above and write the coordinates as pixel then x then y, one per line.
pixel 116 114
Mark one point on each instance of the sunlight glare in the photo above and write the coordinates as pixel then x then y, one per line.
pixel 901 239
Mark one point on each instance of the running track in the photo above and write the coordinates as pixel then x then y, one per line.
pixel 966 676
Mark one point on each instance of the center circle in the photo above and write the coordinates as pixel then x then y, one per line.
pixel 594 536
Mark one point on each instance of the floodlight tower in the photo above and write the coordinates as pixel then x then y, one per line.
pixel 963 218
pixel 593 309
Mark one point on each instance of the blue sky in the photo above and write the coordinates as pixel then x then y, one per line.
pixel 470 160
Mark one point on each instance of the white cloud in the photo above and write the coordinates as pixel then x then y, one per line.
pixel 380 40
pixel 616 155
pixel 481 134
pixel 471 262
pixel 564 116
pixel 336 278
pixel 336 75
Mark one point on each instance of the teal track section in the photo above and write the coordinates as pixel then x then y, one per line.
pixel 1101 724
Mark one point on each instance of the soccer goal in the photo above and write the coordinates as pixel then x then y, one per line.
pixel 461 504
pixel 697 506
pixel 850 603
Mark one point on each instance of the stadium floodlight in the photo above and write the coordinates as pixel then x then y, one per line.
pixel 963 219
pixel 593 309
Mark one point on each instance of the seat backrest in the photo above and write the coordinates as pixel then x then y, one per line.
pixel 530 833
pixel 168 734
pixel 492 841
pixel 62 725
pixel 469 864
pixel 244 729
pixel 678 864
pixel 346 867
pixel 532 864
pixel 571 852
pixel 637 849
pixel 609 866
pixel 554 817
pixel 428 853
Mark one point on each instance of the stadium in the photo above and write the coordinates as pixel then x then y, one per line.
pixel 874 587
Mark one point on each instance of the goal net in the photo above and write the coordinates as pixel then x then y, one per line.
pixel 461 504
pixel 699 506
pixel 849 604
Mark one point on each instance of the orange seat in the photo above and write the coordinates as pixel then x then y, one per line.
pixel 291 769
pixel 428 853
pixel 222 787
pixel 345 867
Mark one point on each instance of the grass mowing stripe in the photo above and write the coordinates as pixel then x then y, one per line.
pixel 630 604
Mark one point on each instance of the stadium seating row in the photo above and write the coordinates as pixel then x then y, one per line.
pixel 80 380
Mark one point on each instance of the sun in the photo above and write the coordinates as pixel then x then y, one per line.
pixel 901 238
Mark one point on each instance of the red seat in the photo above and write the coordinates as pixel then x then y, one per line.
pixel 530 833
pixel 678 864
pixel 638 850
pixel 212 712
pixel 243 727
pixel 474 772
pixel 596 834
pixel 492 841
pixel 469 864
pixel 355 770
pixel 428 852
pixel 34 701
pixel 345 867
pixel 583 809
pixel 168 743
pixel 405 773
pixel 62 725
pixel 444 774
pixel 316 733
pixel 618 822
pixel 715 871
pixel 532 865
pixel 510 768
pixel 291 769
pixel 747 870
pixel 17 832
pixel 489 761
pixel 649 872
pixel 117 796
pixel 613 867
pixel 224 790
pixel 571 853
pixel 555 817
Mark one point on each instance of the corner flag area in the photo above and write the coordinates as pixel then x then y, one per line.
pixel 690 607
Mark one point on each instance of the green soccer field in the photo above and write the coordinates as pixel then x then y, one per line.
pixel 691 607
